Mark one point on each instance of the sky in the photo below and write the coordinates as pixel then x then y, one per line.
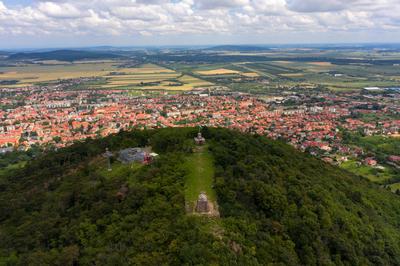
pixel 78 23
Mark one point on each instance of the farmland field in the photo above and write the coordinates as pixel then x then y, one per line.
pixel 153 77
pixel 326 74
pixel 258 72
pixel 287 73
pixel 31 74
pixel 220 71
pixel 146 76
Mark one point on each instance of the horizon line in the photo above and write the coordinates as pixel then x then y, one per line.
pixel 202 45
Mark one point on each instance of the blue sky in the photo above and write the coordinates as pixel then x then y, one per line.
pixel 17 2
pixel 74 23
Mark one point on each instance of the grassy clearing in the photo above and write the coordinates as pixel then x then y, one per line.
pixel 201 175
pixel 394 186
pixel 118 169
pixel 373 174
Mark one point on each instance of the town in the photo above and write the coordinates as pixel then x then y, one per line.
pixel 199 132
pixel 54 116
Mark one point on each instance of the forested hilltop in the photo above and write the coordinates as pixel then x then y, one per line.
pixel 277 207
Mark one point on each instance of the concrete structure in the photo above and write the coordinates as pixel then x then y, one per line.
pixel 202 203
pixel 6 150
pixel 108 155
pixel 199 139
pixel 131 155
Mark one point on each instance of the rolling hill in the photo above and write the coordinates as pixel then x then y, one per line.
pixel 277 206
pixel 64 55
pixel 239 48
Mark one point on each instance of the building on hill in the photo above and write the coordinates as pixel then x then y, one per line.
pixel 199 140
pixel 202 203
pixel 370 161
pixel 394 159
pixel 131 155
pixel 6 150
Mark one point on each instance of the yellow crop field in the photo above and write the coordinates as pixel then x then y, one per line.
pixel 283 62
pixel 224 71
pixel 30 74
pixel 115 76
pixel 321 63
pixel 220 71
pixel 250 74
pixel 54 62
pixel 167 79
pixel 142 77
pixel 194 81
pixel 292 74
pixel 30 78
pixel 165 86
pixel 145 69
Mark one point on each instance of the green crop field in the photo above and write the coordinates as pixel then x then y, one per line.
pixel 31 74
pixel 307 74
pixel 145 76
pixel 332 69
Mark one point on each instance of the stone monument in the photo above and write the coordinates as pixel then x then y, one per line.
pixel 199 140
pixel 202 203
pixel 108 155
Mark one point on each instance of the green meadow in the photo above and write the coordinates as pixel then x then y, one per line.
pixel 200 175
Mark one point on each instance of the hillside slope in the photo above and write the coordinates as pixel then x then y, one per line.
pixel 277 206
pixel 63 55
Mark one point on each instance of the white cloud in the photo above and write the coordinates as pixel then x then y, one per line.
pixel 145 13
pixel 2 6
pixel 317 5
pixel 152 18
pixel 271 7
pixel 212 4
pixel 62 10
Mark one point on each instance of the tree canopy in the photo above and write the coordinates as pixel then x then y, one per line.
pixel 278 206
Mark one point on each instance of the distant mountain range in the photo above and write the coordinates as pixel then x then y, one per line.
pixel 64 55
pixel 239 48
pixel 268 47
pixel 229 47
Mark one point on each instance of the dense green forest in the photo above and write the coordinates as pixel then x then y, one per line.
pixel 278 207
pixel 64 55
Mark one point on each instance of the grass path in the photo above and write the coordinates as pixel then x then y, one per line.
pixel 200 177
